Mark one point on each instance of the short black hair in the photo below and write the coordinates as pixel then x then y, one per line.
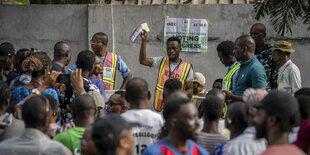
pixel 212 108
pixel 303 91
pixel 52 101
pixel 83 106
pixel 238 118
pixel 85 60
pixel 173 85
pixel 136 89
pixel 21 55
pixel 284 107
pixel 174 39
pixel 218 80
pixel 122 93
pixel 7 47
pixel 304 106
pixel 34 112
pixel 173 106
pixel 60 49
pixel 5 93
pixel 215 92
pixel 226 48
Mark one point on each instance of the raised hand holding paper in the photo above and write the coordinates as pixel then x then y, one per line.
pixel 138 31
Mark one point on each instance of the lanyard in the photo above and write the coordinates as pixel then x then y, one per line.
pixel 280 76
pixel 174 68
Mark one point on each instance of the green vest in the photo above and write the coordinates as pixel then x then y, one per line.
pixel 227 78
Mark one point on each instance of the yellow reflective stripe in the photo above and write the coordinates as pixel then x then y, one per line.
pixel 107 80
pixel 113 65
pixel 229 76
pixel 160 88
pixel 185 73
pixel 162 68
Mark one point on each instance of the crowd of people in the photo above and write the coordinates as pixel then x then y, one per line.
pixel 257 107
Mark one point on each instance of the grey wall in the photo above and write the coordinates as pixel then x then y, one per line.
pixel 42 26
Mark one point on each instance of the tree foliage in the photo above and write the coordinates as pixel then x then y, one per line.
pixel 283 13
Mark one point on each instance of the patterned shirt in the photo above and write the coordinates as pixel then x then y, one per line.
pixel 265 58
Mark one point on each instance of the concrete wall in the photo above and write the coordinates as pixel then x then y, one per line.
pixel 42 26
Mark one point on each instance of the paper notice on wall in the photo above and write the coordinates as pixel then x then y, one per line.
pixel 134 36
pixel 193 33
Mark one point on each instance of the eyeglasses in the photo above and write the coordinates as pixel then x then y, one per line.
pixel 111 103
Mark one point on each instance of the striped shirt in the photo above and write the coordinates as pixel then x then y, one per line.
pixel 210 141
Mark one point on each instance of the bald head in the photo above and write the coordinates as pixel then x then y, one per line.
pixel 178 94
pixel 246 41
pixel 83 106
pixel 258 33
pixel 61 48
pixel 137 89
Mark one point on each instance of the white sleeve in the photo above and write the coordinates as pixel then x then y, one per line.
pixel 295 79
pixel 156 61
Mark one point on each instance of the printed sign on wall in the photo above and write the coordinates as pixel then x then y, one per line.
pixel 193 33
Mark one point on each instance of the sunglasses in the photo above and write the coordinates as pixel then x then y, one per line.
pixel 111 103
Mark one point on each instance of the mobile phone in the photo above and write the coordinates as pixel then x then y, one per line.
pixel 63 78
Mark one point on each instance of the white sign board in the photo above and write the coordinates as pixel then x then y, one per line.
pixel 193 33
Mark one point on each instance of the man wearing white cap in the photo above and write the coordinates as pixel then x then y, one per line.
pixel 198 87
pixel 289 75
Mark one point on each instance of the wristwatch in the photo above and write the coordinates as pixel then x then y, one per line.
pixel 35 91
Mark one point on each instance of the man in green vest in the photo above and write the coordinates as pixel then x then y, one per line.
pixel 225 53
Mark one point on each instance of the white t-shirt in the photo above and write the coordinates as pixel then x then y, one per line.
pixel 289 78
pixel 157 61
pixel 151 124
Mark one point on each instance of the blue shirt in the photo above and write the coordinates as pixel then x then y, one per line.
pixel 121 66
pixel 233 79
pixel 20 93
pixel 251 75
pixel 163 147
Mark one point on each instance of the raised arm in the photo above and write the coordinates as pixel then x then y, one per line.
pixel 142 57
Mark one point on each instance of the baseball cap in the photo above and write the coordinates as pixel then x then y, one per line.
pixel 283 46
pixel 106 131
pixel 280 104
pixel 303 137
pixel 6 49
pixel 199 78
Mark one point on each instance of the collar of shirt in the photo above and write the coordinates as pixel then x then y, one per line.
pixel 283 66
pixel 250 130
pixel 231 66
pixel 245 63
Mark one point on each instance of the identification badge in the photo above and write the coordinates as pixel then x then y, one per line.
pixel 107 72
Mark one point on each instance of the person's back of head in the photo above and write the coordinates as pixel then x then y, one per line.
pixel 36 64
pixel 226 48
pixel 304 107
pixel 212 109
pixel 112 134
pixel 246 41
pixel 83 108
pixel 61 50
pixel 85 60
pixel 5 95
pixel 7 48
pixel 21 55
pixel 54 105
pixel 235 120
pixel 283 107
pixel 36 112
pixel 170 86
pixel 137 90
pixel 303 91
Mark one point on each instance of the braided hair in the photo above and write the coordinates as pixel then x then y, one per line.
pixel 36 64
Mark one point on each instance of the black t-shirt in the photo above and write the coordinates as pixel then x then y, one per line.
pixel 58 68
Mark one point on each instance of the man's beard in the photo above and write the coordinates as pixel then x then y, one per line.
pixel 261 130
pixel 189 134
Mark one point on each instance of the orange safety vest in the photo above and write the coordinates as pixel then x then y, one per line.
pixel 180 72
pixel 109 68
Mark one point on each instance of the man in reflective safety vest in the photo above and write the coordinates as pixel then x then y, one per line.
pixel 111 62
pixel 169 67
pixel 225 53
